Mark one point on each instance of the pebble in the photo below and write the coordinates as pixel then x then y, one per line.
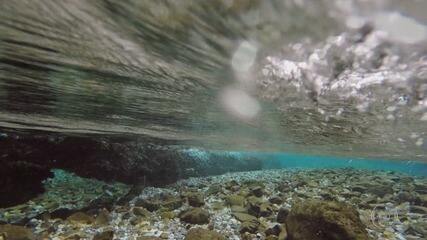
pixel 246 205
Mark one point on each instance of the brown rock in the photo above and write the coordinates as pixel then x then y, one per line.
pixel 248 236
pixel 281 215
pixel 167 215
pixel 148 238
pixel 218 205
pixel 419 209
pixel 324 220
pixel 235 200
pixel 283 235
pixel 169 203
pixel 259 208
pixel 273 230
pixel 172 204
pixel 141 212
pixel 405 196
pixel 214 189
pixel 195 216
pixel 244 217
pixel 73 236
pixel 271 237
pixel 422 200
pixel 249 227
pixel 276 200
pixel 105 235
pixel 81 217
pixel 257 191
pixel 195 200
pixel 103 217
pixel 203 234
pixel 378 188
pixel 14 232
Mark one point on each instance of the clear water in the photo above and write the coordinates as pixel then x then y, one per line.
pixel 413 168
pixel 289 76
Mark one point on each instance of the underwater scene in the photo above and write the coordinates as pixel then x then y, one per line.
pixel 213 119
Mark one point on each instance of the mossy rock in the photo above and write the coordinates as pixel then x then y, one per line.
pixel 257 207
pixel 81 217
pixel 13 232
pixel 103 217
pixel 235 200
pixel 141 212
pixel 249 227
pixel 276 200
pixel 238 209
pixel 200 233
pixel 271 237
pixel 104 235
pixel 257 191
pixel 244 217
pixel 148 238
pixel 167 215
pixel 282 215
pixel 218 205
pixel 230 185
pixel 324 220
pixel 214 189
pixel 195 200
pixel 195 216
pixel 151 205
pixel 253 184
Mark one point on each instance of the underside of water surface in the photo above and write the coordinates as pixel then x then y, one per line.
pixel 222 119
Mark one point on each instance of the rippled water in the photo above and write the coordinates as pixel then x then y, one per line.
pixel 345 77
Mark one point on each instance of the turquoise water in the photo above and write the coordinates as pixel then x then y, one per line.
pixel 271 160
pixel 290 160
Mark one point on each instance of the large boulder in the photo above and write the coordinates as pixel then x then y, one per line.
pixel 20 181
pixel 26 159
pixel 324 220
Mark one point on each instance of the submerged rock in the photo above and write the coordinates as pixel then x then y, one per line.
pixel 81 217
pixel 195 216
pixel 276 200
pixel 148 238
pixel 141 212
pixel 25 164
pixel 275 230
pixel 257 207
pixel 103 217
pixel 282 215
pixel 235 200
pixel 257 191
pixel 169 203
pixel 324 220
pixel 420 187
pixel 249 226
pixel 195 200
pixel 203 234
pixel 105 235
pixel 422 200
pixel 13 232
pixel 20 181
pixel 283 235
pixel 238 209
pixel 405 196
pixel 376 188
pixel 244 217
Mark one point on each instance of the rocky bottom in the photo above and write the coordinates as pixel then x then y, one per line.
pixel 271 204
